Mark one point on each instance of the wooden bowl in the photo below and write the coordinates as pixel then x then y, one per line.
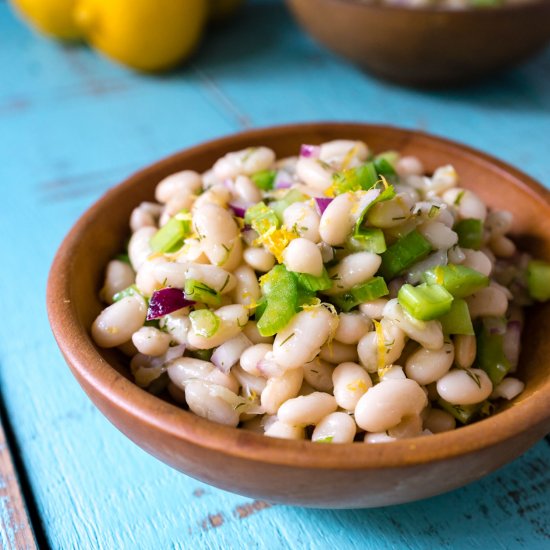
pixel 301 472
pixel 429 46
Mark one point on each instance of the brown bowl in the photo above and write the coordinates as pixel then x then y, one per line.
pixel 427 46
pixel 301 472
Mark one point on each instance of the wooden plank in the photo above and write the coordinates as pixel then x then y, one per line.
pixel 15 526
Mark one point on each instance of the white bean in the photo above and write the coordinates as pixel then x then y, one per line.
pixel 305 410
pixel 386 405
pixel 352 327
pixel 220 232
pixel 232 320
pixel 465 350
pixel 247 290
pixel 409 166
pixel 336 352
pixel 204 402
pixel 314 173
pixel 443 179
pixel 247 190
pixel 185 369
pixel 257 159
pixel 178 203
pixel 146 279
pixel 118 276
pixel 177 325
pixel 116 323
pixel 502 246
pixel 508 389
pixel 336 427
pixel 304 218
pixel 351 382
pixel 464 386
pixel 281 430
pixel 438 421
pixel 138 247
pixel 318 374
pixel 259 259
pixel 151 341
pixel 253 356
pixel 185 182
pixel 498 223
pixel 301 340
pixel 468 204
pixel 390 213
pixel 142 217
pixel 248 161
pixel 428 334
pixel 426 366
pixel 374 309
pixel 353 270
pixel 218 195
pixel 438 235
pixel 455 255
pixel 250 330
pixel 338 220
pixel 303 256
pixel 251 385
pixel 394 342
pixel 410 426
pixel 341 215
pixel 278 390
pixel 487 302
pixel 379 437
pixel 475 259
pixel 342 151
pixel 393 372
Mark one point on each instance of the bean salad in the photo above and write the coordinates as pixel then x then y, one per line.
pixel 337 295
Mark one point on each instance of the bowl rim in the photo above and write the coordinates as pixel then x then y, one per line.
pixel 433 10
pixel 94 373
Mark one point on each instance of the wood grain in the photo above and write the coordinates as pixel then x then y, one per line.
pixel 15 527
pixel 92 487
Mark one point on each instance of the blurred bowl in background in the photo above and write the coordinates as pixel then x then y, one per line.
pixel 427 46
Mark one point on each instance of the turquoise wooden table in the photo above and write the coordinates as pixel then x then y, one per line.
pixel 73 124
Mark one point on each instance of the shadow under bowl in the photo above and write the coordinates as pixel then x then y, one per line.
pixel 300 472
pixel 427 46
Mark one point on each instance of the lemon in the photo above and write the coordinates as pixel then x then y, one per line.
pixel 52 17
pixel 222 9
pixel 144 34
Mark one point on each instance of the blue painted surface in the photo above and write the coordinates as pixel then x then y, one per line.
pixel 71 125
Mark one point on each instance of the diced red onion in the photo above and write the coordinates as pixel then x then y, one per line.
pixel 283 180
pixel 239 209
pixel 166 301
pixel 310 151
pixel 230 352
pixel 512 342
pixel 495 325
pixel 322 204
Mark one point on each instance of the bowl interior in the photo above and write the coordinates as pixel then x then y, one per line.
pixel 101 233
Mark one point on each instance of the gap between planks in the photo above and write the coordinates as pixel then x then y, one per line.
pixel 16 532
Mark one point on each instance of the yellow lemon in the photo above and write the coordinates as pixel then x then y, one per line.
pixel 144 34
pixel 221 9
pixel 52 17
